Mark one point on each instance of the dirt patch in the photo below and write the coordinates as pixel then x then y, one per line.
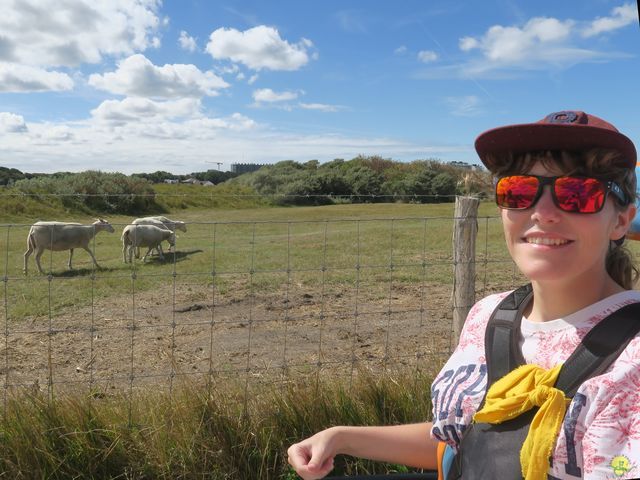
pixel 193 331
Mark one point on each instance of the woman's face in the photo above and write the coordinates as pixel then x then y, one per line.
pixel 551 245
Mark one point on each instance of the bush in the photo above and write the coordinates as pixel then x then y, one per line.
pixel 95 192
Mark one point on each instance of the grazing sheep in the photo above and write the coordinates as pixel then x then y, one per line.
pixel 59 236
pixel 159 221
pixel 172 224
pixel 149 236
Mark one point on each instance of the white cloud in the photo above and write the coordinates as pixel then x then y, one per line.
pixel 187 42
pixel 620 17
pixel 253 79
pixel 136 109
pixel 51 33
pixel 466 106
pixel 539 37
pixel 401 50
pixel 427 56
pixel 190 145
pixel 137 76
pixel 23 78
pixel 321 107
pixel 12 123
pixel 258 48
pixel 269 96
pixel 468 43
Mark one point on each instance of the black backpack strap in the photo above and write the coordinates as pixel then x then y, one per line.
pixel 599 348
pixel 502 334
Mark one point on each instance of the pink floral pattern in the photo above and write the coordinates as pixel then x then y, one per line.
pixel 605 436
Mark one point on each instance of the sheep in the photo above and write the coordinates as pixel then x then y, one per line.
pixel 59 236
pixel 159 221
pixel 149 236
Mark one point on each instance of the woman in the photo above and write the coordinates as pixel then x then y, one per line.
pixel 565 187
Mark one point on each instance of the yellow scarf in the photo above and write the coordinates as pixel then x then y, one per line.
pixel 521 390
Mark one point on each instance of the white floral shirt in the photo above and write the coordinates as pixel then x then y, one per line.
pixel 600 436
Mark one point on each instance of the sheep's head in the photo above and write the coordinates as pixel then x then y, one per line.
pixel 104 225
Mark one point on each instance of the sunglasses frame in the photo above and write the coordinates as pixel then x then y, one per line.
pixel 609 186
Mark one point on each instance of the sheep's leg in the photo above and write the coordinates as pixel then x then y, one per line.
pixel 70 257
pixel 130 251
pixel 160 252
pixel 38 255
pixel 144 259
pixel 27 254
pixel 124 252
pixel 92 257
pixel 137 251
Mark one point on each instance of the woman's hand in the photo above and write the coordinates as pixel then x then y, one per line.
pixel 313 457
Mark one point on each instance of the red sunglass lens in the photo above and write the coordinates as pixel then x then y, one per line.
pixel 584 195
pixel 516 191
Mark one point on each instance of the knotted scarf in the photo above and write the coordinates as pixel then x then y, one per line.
pixel 517 392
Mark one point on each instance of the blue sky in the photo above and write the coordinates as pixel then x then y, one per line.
pixel 191 85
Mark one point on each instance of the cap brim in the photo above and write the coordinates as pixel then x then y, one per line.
pixel 536 136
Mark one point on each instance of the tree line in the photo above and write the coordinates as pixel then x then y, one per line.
pixel 361 179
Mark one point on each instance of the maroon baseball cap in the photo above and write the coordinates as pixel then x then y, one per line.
pixel 567 130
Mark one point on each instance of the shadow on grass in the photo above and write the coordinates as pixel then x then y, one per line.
pixel 171 257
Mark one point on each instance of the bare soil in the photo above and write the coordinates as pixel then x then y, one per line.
pixel 156 338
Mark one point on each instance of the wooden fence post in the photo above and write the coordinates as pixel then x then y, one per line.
pixel 465 230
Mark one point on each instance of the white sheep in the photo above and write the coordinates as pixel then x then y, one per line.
pixel 149 236
pixel 59 236
pixel 172 224
pixel 159 221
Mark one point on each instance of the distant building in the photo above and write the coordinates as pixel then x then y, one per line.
pixel 171 180
pixel 245 167
pixel 466 165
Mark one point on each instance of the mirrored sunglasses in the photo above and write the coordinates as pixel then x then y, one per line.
pixel 569 193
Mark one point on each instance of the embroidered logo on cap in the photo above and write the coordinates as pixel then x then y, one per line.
pixel 562 117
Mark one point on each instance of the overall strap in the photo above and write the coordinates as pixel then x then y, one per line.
pixel 593 356
pixel 502 334
pixel 599 348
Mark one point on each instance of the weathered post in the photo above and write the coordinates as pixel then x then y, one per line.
pixel 465 230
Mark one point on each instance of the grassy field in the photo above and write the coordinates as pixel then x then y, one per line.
pixel 330 244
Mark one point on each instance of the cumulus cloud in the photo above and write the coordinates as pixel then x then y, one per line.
pixel 24 78
pixel 267 95
pixel 12 123
pixel 187 42
pixel 137 76
pixel 136 109
pixel 512 44
pixel 620 17
pixel 427 56
pixel 540 43
pixel 50 33
pixel 258 48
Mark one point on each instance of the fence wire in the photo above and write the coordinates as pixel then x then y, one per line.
pixel 256 301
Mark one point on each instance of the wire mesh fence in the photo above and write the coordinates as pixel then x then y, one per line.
pixel 256 301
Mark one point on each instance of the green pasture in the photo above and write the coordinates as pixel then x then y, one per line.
pixel 255 249
pixel 258 249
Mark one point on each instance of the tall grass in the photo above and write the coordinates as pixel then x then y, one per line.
pixel 199 432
